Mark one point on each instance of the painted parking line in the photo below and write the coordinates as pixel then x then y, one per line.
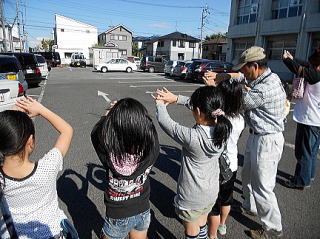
pixel 145 81
pixel 42 91
pixel 291 146
pixel 141 86
pixel 173 91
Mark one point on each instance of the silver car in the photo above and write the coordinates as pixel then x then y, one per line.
pixel 10 69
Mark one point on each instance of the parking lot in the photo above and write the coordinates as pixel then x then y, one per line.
pixel 73 94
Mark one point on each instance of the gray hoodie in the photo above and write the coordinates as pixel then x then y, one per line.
pixel 198 183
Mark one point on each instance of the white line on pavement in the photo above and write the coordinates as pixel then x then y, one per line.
pixel 289 145
pixel 34 95
pixel 139 86
pixel 173 91
pixel 42 91
pixel 144 81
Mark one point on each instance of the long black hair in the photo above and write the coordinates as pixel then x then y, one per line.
pixel 233 100
pixel 15 129
pixel 209 99
pixel 129 129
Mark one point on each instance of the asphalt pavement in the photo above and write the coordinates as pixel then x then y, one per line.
pixel 73 94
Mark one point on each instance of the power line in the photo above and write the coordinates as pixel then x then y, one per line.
pixel 160 5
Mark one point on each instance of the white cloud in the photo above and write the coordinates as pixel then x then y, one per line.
pixel 160 25
pixel 33 42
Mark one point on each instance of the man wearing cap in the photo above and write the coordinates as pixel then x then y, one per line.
pixel 264 101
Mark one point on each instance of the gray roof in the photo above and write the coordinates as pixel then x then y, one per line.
pixel 177 36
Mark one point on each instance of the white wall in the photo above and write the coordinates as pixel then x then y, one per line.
pixel 74 36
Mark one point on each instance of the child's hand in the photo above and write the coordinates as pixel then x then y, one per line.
pixel 166 96
pixel 157 100
pixel 31 106
pixel 110 107
pixel 287 54
pixel 210 78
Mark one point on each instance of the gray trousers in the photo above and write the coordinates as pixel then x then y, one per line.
pixel 262 155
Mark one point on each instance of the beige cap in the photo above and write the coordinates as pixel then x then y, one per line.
pixel 254 53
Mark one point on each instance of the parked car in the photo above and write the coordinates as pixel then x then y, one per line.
pixel 9 93
pixel 169 66
pixel 52 58
pixel 30 67
pixel 78 60
pixel 135 60
pixel 180 70
pixel 42 64
pixel 10 69
pixel 194 65
pixel 152 63
pixel 214 66
pixel 117 64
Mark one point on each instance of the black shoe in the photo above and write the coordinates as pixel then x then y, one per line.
pixel 290 184
pixel 263 234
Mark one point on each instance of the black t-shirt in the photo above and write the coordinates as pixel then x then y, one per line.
pixel 125 196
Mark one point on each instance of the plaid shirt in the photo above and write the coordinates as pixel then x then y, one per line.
pixel 264 104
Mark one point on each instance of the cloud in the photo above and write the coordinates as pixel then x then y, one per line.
pixel 160 25
pixel 33 42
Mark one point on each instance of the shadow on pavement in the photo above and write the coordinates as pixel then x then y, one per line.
pixel 157 230
pixel 84 213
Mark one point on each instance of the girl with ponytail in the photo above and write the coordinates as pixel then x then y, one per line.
pixel 202 145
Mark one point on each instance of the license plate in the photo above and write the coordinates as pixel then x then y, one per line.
pixel 11 77
pixel 29 71
pixel 78 64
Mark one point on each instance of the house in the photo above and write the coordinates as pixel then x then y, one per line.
pixel 174 46
pixel 275 25
pixel 139 44
pixel 215 49
pixel 71 36
pixel 12 39
pixel 119 36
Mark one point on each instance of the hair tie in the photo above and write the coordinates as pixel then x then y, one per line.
pixel 217 112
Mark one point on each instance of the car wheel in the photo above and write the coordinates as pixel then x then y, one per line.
pixel 129 69
pixel 151 70
pixel 104 69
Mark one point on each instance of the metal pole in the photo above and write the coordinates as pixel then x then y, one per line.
pixel 18 24
pixel 4 37
pixel 201 32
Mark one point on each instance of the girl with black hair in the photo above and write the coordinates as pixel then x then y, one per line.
pixel 29 188
pixel 126 142
pixel 232 92
pixel 202 145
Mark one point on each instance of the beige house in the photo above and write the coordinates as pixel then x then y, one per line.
pixel 215 49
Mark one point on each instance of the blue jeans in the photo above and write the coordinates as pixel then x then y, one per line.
pixel 306 150
pixel 120 228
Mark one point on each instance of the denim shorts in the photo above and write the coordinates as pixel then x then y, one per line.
pixel 120 228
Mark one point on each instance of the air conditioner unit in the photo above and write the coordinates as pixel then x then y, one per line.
pixel 254 8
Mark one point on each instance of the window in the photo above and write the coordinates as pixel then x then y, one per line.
pixel 174 43
pixel 240 45
pixel 247 11
pixel 123 52
pixel 122 38
pixel 87 31
pixel 160 43
pixel 205 48
pixel 180 56
pixel 67 55
pixel 192 45
pixel 62 30
pixel 114 37
pixel 286 8
pixel 276 46
pixel 181 44
pixel 158 59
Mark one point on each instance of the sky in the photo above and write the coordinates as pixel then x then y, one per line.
pixel 143 17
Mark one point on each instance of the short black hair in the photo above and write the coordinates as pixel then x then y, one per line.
pixel 261 63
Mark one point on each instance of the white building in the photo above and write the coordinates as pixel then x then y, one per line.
pixel 12 39
pixel 72 36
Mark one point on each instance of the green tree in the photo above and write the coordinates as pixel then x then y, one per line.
pixel 46 44
pixel 216 35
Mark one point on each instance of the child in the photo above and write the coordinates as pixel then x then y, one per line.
pixel 30 187
pixel 232 92
pixel 126 143
pixel 202 145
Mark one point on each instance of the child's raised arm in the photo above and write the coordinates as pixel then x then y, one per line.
pixel 34 108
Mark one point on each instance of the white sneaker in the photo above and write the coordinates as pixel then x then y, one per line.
pixel 222 229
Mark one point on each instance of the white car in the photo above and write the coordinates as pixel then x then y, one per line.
pixel 43 66
pixel 10 91
pixel 169 66
pixel 118 64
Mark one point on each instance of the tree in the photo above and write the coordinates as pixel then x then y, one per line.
pixel 216 35
pixel 46 44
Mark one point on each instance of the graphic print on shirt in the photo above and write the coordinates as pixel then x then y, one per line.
pixel 123 189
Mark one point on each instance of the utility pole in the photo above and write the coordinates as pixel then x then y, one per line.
pixel 204 15
pixel 18 24
pixel 3 24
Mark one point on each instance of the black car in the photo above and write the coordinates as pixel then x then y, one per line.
pixel 52 58
pixel 29 66
pixel 153 63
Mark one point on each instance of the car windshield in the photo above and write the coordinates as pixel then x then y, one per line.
pixel 40 59
pixel 111 61
pixel 8 65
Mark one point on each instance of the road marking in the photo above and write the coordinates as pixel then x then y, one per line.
pixel 42 91
pixel 173 91
pixel 139 86
pixel 104 95
pixel 34 95
pixel 144 81
pixel 289 145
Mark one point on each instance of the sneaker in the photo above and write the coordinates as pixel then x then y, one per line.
pixel 243 210
pixel 263 234
pixel 222 229
pixel 290 184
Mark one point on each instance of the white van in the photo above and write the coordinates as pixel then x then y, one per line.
pixel 78 60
